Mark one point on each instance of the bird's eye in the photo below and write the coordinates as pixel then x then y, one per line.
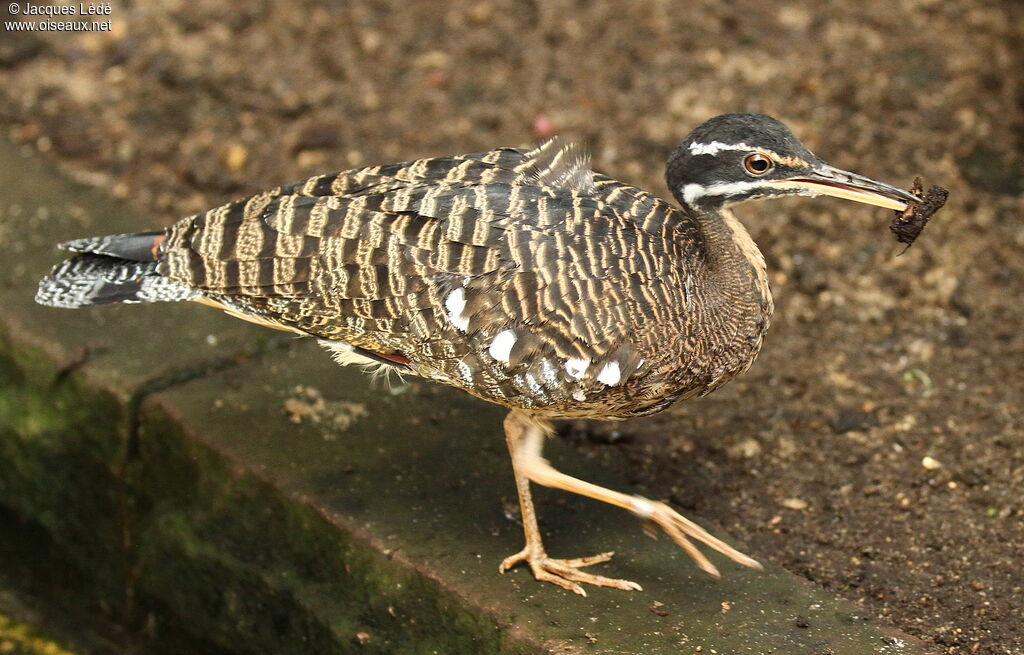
pixel 757 164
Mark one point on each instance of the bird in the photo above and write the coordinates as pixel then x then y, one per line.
pixel 520 276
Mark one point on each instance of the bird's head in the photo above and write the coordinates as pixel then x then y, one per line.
pixel 737 157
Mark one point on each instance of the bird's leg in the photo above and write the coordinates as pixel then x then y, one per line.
pixel 525 440
pixel 530 466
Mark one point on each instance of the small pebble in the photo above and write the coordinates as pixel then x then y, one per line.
pixel 480 13
pixel 930 464
pixel 745 449
pixel 234 157
pixel 795 503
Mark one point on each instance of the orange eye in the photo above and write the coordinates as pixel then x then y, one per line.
pixel 757 164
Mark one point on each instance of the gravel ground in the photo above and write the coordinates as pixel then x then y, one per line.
pixel 877 446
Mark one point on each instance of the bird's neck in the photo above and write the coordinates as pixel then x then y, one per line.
pixel 735 258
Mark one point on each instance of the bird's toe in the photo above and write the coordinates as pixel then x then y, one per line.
pixel 566 573
pixel 683 531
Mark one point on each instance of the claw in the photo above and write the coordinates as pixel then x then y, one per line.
pixel 682 530
pixel 565 573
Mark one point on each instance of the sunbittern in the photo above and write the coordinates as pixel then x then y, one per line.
pixel 519 276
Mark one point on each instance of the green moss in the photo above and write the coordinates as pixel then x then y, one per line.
pixel 26 365
pixel 60 448
pixel 20 639
pixel 254 569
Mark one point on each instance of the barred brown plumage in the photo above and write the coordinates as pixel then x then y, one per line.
pixel 519 276
pixel 571 271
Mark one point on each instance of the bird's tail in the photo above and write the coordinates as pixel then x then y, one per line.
pixel 116 268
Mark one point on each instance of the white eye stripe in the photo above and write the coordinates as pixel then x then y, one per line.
pixel 694 192
pixel 715 147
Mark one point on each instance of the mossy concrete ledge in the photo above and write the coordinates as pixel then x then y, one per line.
pixel 211 494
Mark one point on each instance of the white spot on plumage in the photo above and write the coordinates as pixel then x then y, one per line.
pixel 465 372
pixel 610 374
pixel 549 372
pixel 531 381
pixel 579 395
pixel 576 367
pixel 501 346
pixel 455 303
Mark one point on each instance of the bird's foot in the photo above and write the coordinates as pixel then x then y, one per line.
pixel 566 572
pixel 655 515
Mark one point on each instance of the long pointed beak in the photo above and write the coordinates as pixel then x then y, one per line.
pixel 830 181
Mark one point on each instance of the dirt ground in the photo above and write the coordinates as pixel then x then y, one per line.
pixel 877 446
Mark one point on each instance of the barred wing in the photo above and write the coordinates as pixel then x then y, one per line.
pixel 518 276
